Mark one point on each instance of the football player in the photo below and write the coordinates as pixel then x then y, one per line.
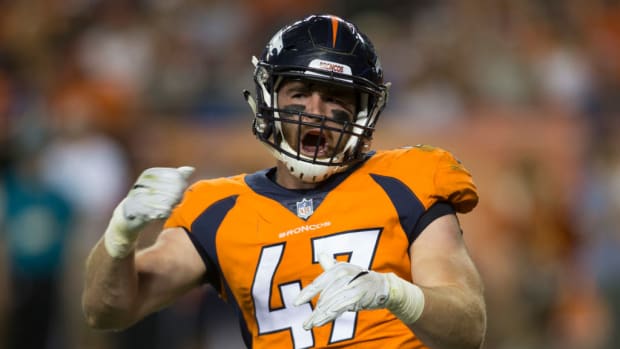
pixel 337 245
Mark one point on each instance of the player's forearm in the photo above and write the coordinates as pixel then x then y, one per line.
pixel 452 319
pixel 110 292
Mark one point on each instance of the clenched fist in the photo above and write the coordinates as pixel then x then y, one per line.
pixel 153 196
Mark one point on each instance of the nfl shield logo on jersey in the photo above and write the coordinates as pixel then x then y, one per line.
pixel 305 208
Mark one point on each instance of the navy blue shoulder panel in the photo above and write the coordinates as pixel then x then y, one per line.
pixel 405 202
pixel 204 229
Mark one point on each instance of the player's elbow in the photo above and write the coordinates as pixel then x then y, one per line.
pixel 473 325
pixel 478 324
pixel 95 321
pixel 101 316
pixel 105 321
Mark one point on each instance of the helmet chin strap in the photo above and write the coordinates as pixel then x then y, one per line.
pixel 305 171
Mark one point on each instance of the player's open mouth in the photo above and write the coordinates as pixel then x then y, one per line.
pixel 314 142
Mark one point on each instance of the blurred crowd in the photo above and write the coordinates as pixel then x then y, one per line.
pixel 526 93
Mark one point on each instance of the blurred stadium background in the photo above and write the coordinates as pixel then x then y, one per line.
pixel 526 93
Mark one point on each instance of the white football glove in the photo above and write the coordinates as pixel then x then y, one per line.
pixel 348 287
pixel 152 197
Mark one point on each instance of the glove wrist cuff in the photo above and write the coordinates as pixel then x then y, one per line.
pixel 405 300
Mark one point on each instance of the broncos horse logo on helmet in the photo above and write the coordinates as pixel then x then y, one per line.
pixel 333 51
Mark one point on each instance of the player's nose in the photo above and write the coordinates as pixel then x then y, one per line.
pixel 316 104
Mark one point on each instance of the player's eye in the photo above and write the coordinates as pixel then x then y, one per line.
pixel 292 109
pixel 342 116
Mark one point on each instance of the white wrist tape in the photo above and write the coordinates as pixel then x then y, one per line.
pixel 119 238
pixel 406 300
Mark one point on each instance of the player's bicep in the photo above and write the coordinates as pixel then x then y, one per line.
pixel 167 269
pixel 439 256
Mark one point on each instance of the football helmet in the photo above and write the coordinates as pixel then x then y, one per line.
pixel 329 50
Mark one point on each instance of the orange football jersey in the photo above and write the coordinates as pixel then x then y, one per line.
pixel 260 242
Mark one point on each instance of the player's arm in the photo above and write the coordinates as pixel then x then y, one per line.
pixel 454 314
pixel 122 286
pixel 120 292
